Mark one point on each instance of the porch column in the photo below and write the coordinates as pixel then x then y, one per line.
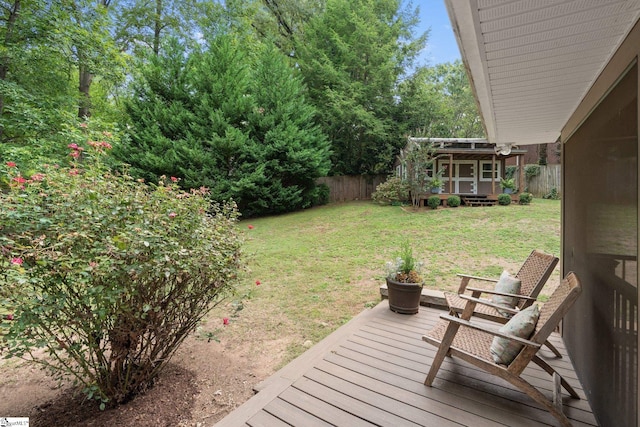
pixel 450 173
pixel 520 160
pixel 493 174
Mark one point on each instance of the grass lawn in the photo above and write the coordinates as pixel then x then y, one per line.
pixel 320 267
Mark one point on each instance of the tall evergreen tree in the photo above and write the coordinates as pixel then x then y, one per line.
pixel 159 110
pixel 220 119
pixel 294 151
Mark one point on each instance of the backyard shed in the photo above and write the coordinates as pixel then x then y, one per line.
pixel 469 167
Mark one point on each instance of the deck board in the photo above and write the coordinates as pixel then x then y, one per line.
pixel 371 372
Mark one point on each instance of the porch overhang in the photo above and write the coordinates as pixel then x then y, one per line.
pixel 531 62
pixel 469 147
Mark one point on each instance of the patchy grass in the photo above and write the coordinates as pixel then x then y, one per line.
pixel 320 267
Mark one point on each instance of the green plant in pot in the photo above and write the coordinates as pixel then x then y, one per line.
pixel 436 182
pixel 436 185
pixel 508 185
pixel 404 281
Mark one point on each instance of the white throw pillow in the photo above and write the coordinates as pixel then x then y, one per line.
pixel 510 285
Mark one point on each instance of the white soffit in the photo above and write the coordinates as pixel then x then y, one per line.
pixel 532 61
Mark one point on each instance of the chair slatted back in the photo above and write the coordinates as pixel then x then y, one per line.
pixel 534 273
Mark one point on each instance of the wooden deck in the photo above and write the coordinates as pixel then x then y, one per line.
pixel 371 372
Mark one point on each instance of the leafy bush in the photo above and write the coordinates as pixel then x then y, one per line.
pixel 321 194
pixel 553 194
pixel 393 190
pixel 531 170
pixel 109 275
pixel 510 171
pixel 525 198
pixel 453 201
pixel 433 202
pixel 504 199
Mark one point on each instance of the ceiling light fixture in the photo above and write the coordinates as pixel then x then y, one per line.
pixel 503 149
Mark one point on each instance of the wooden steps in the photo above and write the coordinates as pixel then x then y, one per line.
pixel 479 200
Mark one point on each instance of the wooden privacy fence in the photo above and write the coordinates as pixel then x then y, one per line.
pixel 345 188
pixel 550 177
pixel 353 187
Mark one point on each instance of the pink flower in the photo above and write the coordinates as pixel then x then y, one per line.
pixel 250 227
pixel 73 146
pixel 83 125
pixel 8 316
pixel 11 164
pixel 19 179
pixel 75 154
pixel 225 321
pixel 74 172
pixel 37 177
pixel 16 261
pixel 258 282
pixel 174 179
pixel 173 215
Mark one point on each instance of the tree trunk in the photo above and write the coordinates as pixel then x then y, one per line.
pixel 157 28
pixel 84 109
pixel 4 66
pixel 85 77
pixel 542 154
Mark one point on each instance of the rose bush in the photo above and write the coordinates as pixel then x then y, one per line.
pixel 106 273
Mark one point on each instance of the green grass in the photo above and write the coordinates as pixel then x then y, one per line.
pixel 320 267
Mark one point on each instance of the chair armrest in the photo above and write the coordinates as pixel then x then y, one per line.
pixel 493 292
pixel 467 277
pixel 489 330
pixel 489 304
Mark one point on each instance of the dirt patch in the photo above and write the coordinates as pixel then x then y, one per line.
pixel 204 382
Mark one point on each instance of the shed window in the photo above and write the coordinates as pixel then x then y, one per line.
pixel 485 171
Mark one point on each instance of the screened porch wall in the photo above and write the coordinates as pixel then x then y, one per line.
pixel 600 220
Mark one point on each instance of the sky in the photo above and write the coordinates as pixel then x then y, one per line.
pixel 441 45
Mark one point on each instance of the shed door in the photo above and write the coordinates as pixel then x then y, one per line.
pixel 464 176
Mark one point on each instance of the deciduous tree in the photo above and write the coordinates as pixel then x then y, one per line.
pixel 352 57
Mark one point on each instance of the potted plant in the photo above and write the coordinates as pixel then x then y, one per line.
pixel 436 182
pixel 436 185
pixel 508 185
pixel 404 283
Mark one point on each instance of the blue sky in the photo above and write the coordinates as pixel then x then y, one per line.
pixel 441 45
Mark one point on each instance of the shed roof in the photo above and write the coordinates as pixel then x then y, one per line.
pixel 532 61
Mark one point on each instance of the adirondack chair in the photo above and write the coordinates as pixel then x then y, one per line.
pixel 472 342
pixel 533 274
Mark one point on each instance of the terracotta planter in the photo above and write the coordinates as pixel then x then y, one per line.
pixel 404 298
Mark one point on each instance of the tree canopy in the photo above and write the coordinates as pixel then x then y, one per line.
pixel 254 99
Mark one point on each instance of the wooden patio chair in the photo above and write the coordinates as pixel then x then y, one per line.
pixel 469 341
pixel 533 274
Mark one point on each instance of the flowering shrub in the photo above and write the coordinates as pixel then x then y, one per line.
pixel 393 190
pixel 109 275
